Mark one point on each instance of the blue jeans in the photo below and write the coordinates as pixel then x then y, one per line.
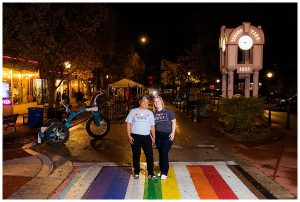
pixel 163 144
pixel 145 142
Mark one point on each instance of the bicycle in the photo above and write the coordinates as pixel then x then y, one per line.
pixel 57 133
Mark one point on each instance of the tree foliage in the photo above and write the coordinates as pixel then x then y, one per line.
pixel 54 33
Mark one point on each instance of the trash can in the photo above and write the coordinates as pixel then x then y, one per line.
pixel 55 113
pixel 35 117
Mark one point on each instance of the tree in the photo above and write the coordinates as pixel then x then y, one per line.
pixel 52 34
pixel 134 67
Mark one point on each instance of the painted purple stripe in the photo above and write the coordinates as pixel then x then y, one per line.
pixel 110 183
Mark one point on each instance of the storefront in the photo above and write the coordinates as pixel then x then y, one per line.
pixel 21 85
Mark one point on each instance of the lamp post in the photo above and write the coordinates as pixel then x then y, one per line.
pixel 188 91
pixel 68 65
pixel 269 76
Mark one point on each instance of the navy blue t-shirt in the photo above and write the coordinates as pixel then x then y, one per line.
pixel 163 120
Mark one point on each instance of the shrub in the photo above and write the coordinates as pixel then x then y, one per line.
pixel 244 118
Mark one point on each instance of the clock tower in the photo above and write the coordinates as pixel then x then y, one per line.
pixel 241 51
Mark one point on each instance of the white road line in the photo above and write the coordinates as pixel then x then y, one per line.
pixel 135 189
pixel 236 185
pixel 80 187
pixel 185 183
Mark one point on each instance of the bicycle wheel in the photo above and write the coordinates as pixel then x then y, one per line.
pixel 57 134
pixel 98 132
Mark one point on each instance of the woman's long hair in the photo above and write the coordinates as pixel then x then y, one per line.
pixel 161 100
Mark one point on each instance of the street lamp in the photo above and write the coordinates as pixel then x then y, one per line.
pixel 218 80
pixel 143 40
pixel 269 74
pixel 67 65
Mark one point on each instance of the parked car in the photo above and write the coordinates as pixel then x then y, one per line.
pixel 277 99
pixel 212 94
pixel 292 101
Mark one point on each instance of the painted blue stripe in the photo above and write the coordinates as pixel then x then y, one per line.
pixel 110 183
pixel 118 187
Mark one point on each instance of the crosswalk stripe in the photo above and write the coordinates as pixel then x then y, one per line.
pixel 236 185
pixel 80 187
pixel 100 184
pixel 201 183
pixel 221 188
pixel 71 183
pixel 135 189
pixel 185 183
pixel 118 186
pixel 60 188
pixel 152 189
pixel 169 186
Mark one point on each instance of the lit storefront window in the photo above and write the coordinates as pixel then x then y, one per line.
pixel 22 85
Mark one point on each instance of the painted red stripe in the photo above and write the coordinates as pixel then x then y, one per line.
pixel 221 188
pixel 65 183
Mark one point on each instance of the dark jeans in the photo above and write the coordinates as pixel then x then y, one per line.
pixel 163 144
pixel 145 142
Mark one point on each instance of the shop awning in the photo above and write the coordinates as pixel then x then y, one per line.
pixel 123 83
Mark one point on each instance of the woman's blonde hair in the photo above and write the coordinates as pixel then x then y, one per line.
pixel 161 100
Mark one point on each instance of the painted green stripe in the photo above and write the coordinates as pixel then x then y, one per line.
pixel 152 189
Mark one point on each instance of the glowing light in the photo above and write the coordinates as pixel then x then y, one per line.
pixel 67 65
pixel 269 74
pixel 143 39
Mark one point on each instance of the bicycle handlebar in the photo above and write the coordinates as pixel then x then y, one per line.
pixel 95 99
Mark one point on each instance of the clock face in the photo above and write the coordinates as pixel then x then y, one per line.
pixel 245 42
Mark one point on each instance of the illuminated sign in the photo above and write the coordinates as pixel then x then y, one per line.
pixel 244 69
pixel 6 101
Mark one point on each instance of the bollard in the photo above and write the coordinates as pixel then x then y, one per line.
pixel 288 122
pixel 269 118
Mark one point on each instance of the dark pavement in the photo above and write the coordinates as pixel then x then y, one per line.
pixel 265 157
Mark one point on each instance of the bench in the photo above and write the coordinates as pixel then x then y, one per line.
pixel 10 121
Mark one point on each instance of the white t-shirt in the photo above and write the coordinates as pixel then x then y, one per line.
pixel 141 121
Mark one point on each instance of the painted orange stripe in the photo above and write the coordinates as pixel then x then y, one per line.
pixel 221 188
pixel 203 188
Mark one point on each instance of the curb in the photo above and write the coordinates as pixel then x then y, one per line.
pixel 47 180
pixel 46 162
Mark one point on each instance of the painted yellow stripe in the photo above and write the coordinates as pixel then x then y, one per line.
pixel 169 186
pixel 204 189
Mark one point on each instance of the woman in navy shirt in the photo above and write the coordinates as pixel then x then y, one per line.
pixel 165 124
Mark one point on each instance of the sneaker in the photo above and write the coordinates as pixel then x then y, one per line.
pixel 136 176
pixel 152 177
pixel 163 177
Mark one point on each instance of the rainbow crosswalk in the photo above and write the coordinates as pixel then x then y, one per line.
pixel 186 180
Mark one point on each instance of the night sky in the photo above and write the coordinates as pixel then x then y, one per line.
pixel 172 27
